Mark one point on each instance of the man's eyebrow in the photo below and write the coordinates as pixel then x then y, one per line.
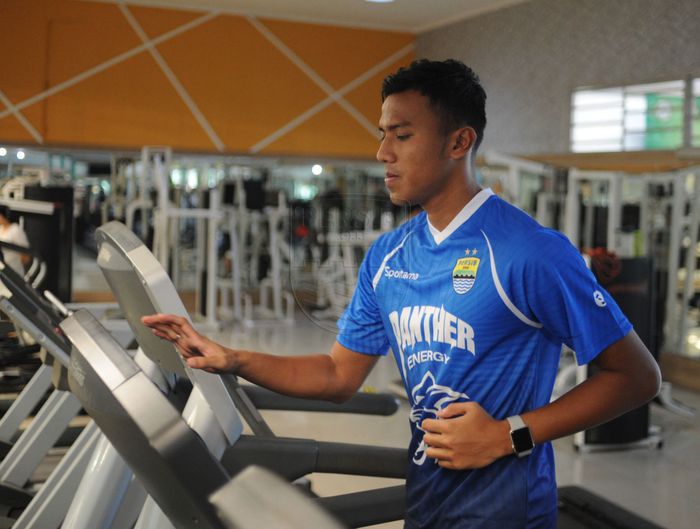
pixel 395 126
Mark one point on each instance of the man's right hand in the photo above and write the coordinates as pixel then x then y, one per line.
pixel 199 352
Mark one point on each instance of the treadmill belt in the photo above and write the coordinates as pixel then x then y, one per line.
pixel 581 509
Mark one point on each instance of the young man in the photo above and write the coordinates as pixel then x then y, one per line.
pixel 475 299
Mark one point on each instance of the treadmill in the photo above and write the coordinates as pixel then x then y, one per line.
pixel 62 495
pixel 244 503
pixel 168 457
pixel 142 287
pixel 21 507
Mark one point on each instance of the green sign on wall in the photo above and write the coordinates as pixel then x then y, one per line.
pixel 664 123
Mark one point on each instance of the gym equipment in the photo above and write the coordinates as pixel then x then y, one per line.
pixel 50 503
pixel 364 403
pixel 36 272
pixel 142 287
pixel 169 458
pixel 679 208
pixel 581 509
pixel 271 292
pixel 524 183
pixel 166 221
pixel 336 276
pixel 173 463
pixel 244 503
pixel 108 494
pixel 52 236
pixel 659 197
pixel 630 282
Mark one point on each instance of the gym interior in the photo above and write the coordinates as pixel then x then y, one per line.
pixel 216 159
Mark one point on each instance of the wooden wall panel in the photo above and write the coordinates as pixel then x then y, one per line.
pixel 328 132
pixel 157 21
pixel 339 55
pixel 367 97
pixel 245 86
pixel 80 75
pixel 131 103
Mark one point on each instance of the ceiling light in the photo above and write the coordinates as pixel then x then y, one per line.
pixel 317 170
pixel 20 155
pixel 379 1
pixel 3 151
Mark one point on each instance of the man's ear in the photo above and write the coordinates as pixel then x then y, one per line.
pixel 462 141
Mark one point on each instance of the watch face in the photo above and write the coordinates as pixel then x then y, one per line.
pixel 521 440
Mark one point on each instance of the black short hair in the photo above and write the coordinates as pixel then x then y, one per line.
pixel 452 88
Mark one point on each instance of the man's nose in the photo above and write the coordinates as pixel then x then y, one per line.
pixel 384 153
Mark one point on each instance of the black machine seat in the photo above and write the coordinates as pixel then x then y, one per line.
pixel 146 430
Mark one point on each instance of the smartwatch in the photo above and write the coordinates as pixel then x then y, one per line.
pixel 520 437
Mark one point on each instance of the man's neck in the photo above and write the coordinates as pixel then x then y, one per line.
pixel 446 209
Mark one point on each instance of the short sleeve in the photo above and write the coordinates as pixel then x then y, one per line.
pixel 361 328
pixel 564 296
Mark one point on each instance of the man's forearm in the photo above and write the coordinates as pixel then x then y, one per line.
pixel 628 377
pixel 599 399
pixel 309 376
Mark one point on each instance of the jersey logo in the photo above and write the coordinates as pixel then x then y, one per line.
pixel 599 298
pixel 464 274
pixel 429 398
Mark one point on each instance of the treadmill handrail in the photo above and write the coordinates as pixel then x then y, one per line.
pixel 383 404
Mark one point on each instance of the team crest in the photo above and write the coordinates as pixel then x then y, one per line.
pixel 464 274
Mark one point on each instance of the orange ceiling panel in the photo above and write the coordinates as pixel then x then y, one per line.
pixel 83 35
pixel 12 131
pixel 130 105
pixel 338 54
pixel 34 114
pixel 331 132
pixel 156 21
pixel 23 41
pixel 243 85
pixel 367 97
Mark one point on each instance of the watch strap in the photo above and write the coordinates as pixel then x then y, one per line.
pixel 521 439
pixel 516 422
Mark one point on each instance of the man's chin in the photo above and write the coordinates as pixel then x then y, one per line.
pixel 399 201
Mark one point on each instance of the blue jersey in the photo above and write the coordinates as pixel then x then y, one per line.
pixel 479 311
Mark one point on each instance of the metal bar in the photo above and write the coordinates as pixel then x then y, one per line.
pixel 43 432
pixel 25 402
pixel 49 506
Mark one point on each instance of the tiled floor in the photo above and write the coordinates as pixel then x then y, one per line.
pixel 662 485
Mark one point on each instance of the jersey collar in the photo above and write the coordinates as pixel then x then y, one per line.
pixel 467 211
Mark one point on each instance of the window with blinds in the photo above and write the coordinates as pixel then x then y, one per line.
pixel 635 117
